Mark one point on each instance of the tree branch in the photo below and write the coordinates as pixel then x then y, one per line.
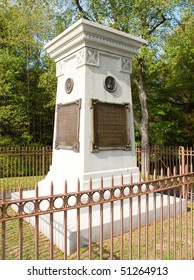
pixel 81 10
pixel 163 19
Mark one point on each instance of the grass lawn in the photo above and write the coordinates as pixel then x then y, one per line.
pixel 13 183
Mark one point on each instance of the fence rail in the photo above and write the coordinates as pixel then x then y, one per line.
pixel 149 219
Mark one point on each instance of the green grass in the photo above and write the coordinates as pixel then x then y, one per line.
pixel 171 251
pixel 12 243
pixel 13 183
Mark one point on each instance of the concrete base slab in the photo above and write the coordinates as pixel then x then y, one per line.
pixel 44 220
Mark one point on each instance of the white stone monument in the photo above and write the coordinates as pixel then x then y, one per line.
pixel 94 129
pixel 93 132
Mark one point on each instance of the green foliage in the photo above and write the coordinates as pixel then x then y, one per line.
pixel 172 107
pixel 24 115
pixel 165 64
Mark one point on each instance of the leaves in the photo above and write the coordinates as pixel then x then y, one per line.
pixel 162 78
pixel 23 104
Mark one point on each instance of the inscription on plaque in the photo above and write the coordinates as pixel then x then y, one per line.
pixel 110 126
pixel 67 129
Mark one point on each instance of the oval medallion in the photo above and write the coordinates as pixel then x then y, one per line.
pixel 69 85
pixel 110 84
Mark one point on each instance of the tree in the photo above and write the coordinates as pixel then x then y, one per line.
pixel 150 19
pixel 24 27
pixel 162 72
pixel 177 76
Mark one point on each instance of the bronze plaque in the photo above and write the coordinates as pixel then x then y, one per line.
pixel 67 128
pixel 110 126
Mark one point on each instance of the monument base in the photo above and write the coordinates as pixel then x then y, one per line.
pixel 58 179
pixel 58 226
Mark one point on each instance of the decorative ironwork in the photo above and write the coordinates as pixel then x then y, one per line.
pixel 26 207
pixel 24 164
pixel 166 194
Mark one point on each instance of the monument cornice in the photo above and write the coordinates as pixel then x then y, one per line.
pixel 111 43
pixel 89 34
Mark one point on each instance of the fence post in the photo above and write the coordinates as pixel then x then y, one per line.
pixel 182 160
pixel 183 169
pixel 3 211
pixel 43 161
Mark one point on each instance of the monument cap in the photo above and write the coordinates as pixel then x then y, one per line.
pixel 85 33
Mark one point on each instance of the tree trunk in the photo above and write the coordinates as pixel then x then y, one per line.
pixel 144 123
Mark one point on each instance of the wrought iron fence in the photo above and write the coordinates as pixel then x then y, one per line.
pixel 163 157
pixel 28 165
pixel 23 165
pixel 151 219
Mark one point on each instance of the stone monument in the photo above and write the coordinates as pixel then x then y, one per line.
pixel 94 129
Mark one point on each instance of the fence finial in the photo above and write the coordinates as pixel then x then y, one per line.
pixel 139 176
pixel 51 188
pixel 131 178
pixel 78 185
pixel 90 183
pixel 65 186
pixel 101 182
pixel 36 190
pixel 168 172
pixel 161 172
pixel 112 181
pixel 155 174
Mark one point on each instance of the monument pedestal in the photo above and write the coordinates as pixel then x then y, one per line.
pixel 94 128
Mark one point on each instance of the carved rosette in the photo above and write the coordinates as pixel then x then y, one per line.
pixel 88 56
pixel 126 65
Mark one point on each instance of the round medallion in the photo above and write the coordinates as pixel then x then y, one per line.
pixel 110 84
pixel 69 85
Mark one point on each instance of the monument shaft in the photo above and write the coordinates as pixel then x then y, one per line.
pixel 94 130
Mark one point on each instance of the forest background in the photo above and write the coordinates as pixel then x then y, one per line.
pixel 162 78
